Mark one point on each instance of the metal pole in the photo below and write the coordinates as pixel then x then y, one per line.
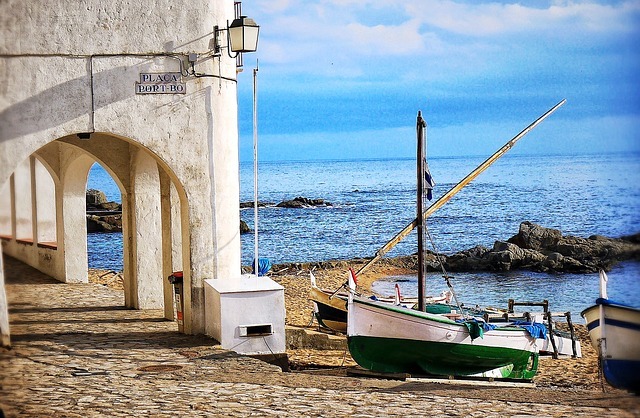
pixel 420 218
pixel 255 168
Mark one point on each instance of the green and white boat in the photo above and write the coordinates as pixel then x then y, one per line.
pixel 393 339
pixel 385 338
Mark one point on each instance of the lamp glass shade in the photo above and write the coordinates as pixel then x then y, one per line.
pixel 243 35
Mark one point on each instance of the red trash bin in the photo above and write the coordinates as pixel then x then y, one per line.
pixel 178 290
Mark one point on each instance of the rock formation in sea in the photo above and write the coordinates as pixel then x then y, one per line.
pixel 244 228
pixel 250 204
pixel 102 216
pixel 112 223
pixel 544 249
pixel 295 203
pixel 533 248
pixel 95 197
pixel 303 202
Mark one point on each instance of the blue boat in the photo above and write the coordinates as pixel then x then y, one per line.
pixel 614 329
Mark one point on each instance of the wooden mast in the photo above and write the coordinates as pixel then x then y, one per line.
pixel 455 189
pixel 420 216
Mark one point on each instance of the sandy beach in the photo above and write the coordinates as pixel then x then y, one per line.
pixel 564 372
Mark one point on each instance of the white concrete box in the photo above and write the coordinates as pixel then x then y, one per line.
pixel 246 314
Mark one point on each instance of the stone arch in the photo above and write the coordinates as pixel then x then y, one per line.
pixel 154 208
pixel 154 211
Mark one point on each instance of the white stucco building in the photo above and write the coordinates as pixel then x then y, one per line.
pixel 138 88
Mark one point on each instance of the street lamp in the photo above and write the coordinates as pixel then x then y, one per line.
pixel 242 36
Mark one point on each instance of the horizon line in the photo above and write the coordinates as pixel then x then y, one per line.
pixel 443 157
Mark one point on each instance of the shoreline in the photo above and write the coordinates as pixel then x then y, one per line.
pixel 330 270
pixel 295 278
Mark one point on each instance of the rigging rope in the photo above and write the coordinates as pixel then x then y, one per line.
pixel 444 272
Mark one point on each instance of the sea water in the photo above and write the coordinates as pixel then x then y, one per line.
pixel 565 292
pixel 372 200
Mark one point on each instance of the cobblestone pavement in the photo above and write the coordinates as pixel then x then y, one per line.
pixel 78 353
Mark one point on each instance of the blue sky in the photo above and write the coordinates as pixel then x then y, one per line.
pixel 343 79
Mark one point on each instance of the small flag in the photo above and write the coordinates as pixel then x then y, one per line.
pixel 429 181
pixel 353 276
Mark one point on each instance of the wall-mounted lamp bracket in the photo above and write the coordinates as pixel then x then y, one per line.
pixel 217 48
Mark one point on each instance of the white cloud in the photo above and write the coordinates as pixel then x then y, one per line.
pixel 316 37
pixel 384 40
pixel 274 6
pixel 330 21
pixel 450 51
pixel 492 19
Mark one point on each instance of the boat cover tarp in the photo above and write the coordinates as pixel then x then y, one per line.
pixel 437 308
pixel 535 329
pixel 476 327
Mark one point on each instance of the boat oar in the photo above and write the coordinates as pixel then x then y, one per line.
pixel 455 189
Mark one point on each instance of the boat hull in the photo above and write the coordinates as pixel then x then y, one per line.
pixel 621 345
pixel 330 312
pixel 394 339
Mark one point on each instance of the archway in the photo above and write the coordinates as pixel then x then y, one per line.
pixel 154 209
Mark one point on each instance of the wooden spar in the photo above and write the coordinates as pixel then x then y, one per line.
pixel 420 217
pixel 455 189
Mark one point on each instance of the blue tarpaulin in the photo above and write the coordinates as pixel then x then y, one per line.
pixel 264 265
pixel 535 329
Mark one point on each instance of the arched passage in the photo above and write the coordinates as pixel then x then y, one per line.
pixel 154 209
